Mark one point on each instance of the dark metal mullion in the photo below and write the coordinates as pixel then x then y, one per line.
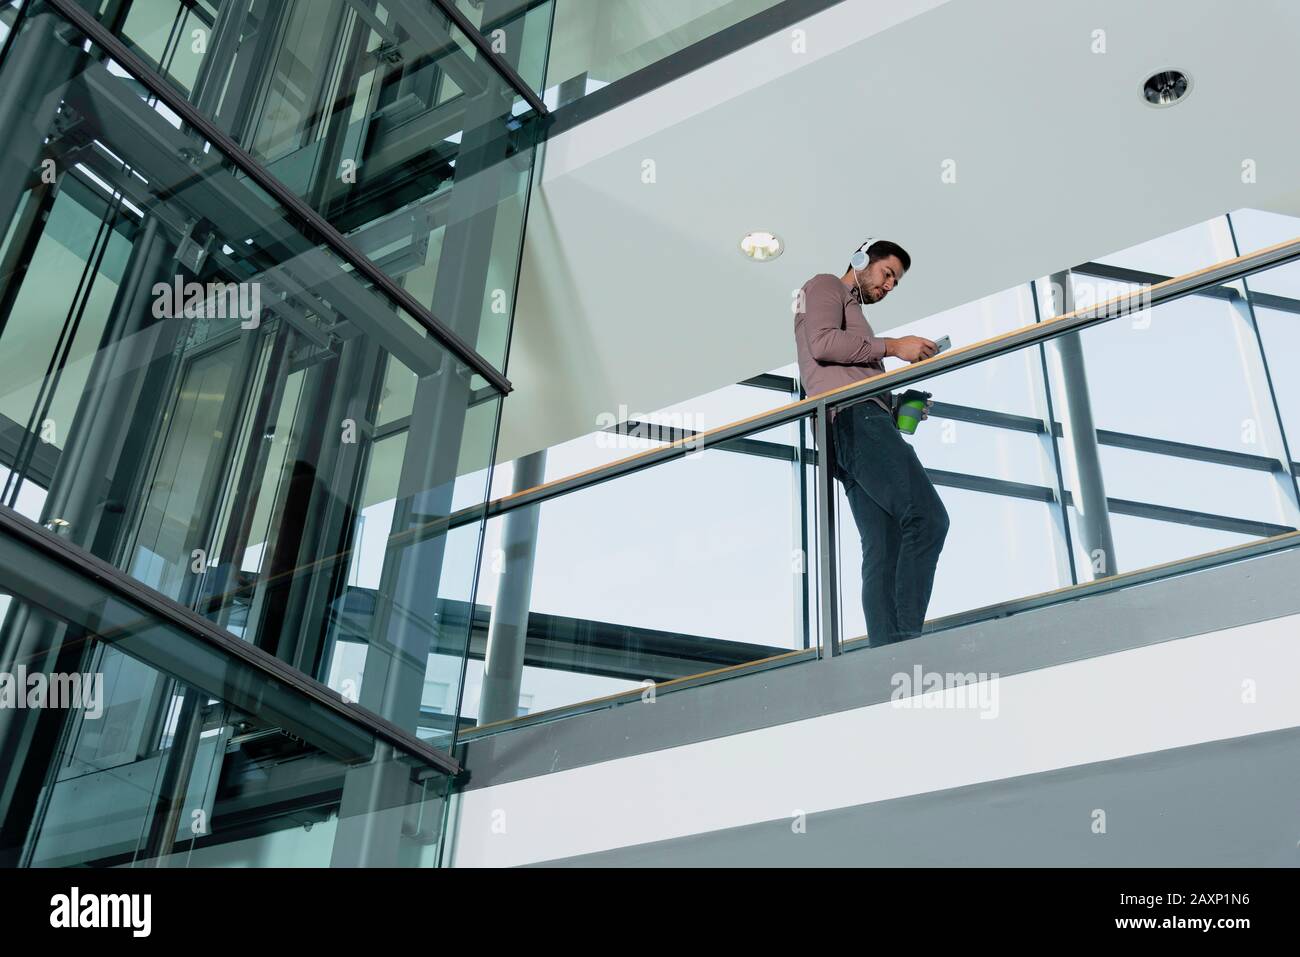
pixel 342 468
pixel 335 120
pixel 1269 300
pixel 1185 450
pixel 1124 440
pixel 992 486
pixel 1139 277
pixel 380 432
pixel 239 528
pixel 172 42
pixel 1195 519
pixel 335 61
pixel 24 240
pixel 215 483
pixel 988 417
pixel 775 383
pixel 254 170
pixel 49 385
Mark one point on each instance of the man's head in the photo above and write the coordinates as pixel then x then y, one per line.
pixel 886 264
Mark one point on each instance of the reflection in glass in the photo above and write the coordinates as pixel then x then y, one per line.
pixel 196 391
pixel 160 749
pixel 384 118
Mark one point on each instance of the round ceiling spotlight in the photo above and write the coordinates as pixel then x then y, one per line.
pixel 1166 88
pixel 761 246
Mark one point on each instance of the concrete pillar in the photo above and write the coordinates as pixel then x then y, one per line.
pixel 503 662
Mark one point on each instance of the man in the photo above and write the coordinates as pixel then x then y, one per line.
pixel 899 515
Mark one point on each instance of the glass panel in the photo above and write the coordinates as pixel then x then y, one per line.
pixel 149 745
pixel 994 517
pixel 987 451
pixel 1257 229
pixel 1006 548
pixel 1179 252
pixel 1143 542
pixel 1013 383
pixel 1169 444
pixel 1141 364
pixel 1280 331
pixel 624 432
pixel 507 24
pixel 690 566
pixel 384 118
pixel 195 390
pixel 1198 486
pixel 1187 449
pixel 596 42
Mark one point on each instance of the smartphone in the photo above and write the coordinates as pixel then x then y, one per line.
pixel 944 343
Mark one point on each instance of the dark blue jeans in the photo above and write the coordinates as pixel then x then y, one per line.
pixel 900 518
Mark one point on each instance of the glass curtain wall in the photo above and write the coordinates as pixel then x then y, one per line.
pixel 257 274
pixel 199 385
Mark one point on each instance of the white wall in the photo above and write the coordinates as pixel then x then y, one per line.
pixel 1143 700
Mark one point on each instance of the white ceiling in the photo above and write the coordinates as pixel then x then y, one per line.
pixel 634 294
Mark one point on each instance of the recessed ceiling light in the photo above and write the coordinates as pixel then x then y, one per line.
pixel 1166 88
pixel 761 246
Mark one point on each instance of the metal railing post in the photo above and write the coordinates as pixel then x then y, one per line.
pixel 826 542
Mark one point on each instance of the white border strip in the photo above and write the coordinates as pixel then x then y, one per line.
pixel 1239 681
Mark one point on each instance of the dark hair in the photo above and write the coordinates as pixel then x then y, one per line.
pixel 882 248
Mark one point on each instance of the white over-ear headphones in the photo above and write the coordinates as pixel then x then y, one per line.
pixel 859 263
pixel 860 258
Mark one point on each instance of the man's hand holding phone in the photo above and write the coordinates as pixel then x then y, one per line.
pixel 910 348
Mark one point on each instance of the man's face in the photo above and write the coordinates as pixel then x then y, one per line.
pixel 880 277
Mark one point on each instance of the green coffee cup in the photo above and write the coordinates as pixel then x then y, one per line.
pixel 911 409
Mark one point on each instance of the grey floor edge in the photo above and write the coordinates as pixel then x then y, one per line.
pixel 1224 596
pixel 1233 803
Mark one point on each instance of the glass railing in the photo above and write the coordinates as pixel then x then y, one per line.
pixel 635 583
pixel 129 737
pixel 198 390
pixel 384 118
pixel 1114 426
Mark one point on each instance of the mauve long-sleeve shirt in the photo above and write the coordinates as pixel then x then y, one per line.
pixel 834 341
